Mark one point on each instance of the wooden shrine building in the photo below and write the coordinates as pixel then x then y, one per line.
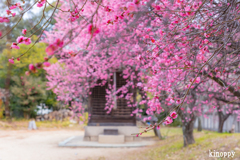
pixel 116 126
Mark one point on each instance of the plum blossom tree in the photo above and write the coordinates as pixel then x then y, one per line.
pixel 170 49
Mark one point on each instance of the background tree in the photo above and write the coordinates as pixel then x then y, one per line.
pixel 21 67
pixel 30 92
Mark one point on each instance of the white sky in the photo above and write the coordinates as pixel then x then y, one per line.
pixel 36 10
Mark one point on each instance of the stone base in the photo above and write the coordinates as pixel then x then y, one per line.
pixel 92 133
pixel 77 141
pixel 111 139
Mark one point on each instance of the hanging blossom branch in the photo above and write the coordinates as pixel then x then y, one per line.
pixel 173 46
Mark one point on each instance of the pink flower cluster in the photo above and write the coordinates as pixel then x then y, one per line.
pixel 41 3
pixel 198 80
pixel 24 40
pixel 74 15
pixel 15 6
pixel 33 68
pixel 53 47
pixel 169 120
pixel 93 30
pixel 4 19
pixel 107 9
pixel 21 39
pixel 12 60
pixel 9 12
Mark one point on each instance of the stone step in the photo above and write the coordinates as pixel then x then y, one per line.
pixel 111 139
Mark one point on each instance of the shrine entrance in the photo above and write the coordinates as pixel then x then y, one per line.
pixel 116 125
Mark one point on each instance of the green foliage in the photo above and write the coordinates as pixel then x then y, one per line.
pixel 18 69
pixel 33 56
pixel 51 100
pixel 28 91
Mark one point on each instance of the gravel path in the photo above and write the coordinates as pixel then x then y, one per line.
pixel 43 145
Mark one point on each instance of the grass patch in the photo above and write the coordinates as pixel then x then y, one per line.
pixel 172 146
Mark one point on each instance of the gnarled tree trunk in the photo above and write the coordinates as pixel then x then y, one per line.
pixel 199 124
pixel 187 128
pixel 188 133
pixel 222 118
pixel 188 124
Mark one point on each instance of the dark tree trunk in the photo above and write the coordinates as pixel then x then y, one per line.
pixel 220 125
pixel 199 124
pixel 157 133
pixel 187 128
pixel 222 118
pixel 188 133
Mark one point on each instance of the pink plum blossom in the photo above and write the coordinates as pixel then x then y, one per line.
pixel 51 49
pixel 173 115
pixel 20 39
pixel 131 6
pixel 198 80
pixel 168 120
pixel 24 31
pixel 206 41
pixel 46 64
pixel 93 30
pixel 178 101
pixel 157 7
pixel 12 7
pixel 14 45
pixel 59 43
pixel 4 19
pixel 31 67
pixel 8 12
pixel 39 5
pixel 11 61
pixel 27 41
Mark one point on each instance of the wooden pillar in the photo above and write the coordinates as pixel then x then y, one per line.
pixel 115 89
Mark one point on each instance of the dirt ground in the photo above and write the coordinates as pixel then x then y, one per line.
pixel 43 145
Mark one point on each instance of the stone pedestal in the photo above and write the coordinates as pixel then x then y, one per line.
pixel 111 139
pixel 95 133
